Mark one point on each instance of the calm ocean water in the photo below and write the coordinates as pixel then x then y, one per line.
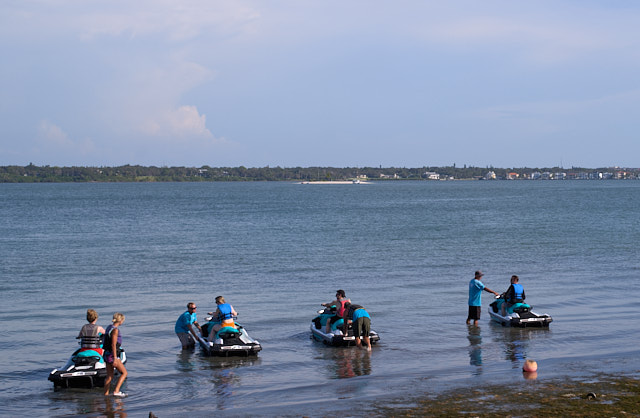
pixel 404 250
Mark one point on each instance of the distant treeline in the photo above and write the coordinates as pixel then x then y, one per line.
pixel 136 173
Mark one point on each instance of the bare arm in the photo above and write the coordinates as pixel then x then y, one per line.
pixel 491 291
pixel 345 325
pixel 335 302
pixel 193 331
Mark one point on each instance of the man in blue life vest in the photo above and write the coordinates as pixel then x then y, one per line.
pixel 514 294
pixel 475 297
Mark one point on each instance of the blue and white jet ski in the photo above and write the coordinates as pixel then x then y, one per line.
pixel 518 315
pixel 335 337
pixel 86 367
pixel 228 341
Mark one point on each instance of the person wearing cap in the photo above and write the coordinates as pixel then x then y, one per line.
pixel 184 326
pixel 475 297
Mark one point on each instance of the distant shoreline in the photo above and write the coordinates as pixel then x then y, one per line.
pixel 307 175
pixel 335 182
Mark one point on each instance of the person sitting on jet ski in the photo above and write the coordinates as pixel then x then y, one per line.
pixel 225 314
pixel 90 332
pixel 514 294
pixel 341 299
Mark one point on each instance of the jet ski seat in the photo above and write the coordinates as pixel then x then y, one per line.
pixel 87 357
pixel 228 332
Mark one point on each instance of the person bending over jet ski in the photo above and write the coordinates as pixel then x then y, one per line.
pixel 514 294
pixel 341 299
pixel 90 332
pixel 361 321
pixel 225 314
pixel 184 326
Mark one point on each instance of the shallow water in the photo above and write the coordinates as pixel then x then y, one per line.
pixel 404 250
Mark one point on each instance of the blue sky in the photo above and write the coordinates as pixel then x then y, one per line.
pixel 320 83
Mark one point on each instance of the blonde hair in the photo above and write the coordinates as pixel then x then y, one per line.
pixel 92 315
pixel 117 317
pixel 220 300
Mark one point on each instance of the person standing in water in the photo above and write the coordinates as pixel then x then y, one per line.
pixel 112 343
pixel 361 324
pixel 475 297
pixel 184 326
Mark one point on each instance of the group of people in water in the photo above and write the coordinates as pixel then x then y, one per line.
pixel 352 314
pixel 94 336
pixel 188 330
pixel 514 294
pixel 187 323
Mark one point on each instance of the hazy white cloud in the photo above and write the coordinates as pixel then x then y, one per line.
pixel 561 109
pixel 52 139
pixel 394 79
pixel 544 40
pixel 52 134
pixel 180 123
pixel 88 20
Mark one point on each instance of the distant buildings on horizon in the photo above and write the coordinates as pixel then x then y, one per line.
pixel 559 175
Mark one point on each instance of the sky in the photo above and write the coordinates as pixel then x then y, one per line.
pixel 404 83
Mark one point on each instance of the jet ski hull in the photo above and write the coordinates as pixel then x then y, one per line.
pixel 85 369
pixel 229 342
pixel 520 316
pixel 335 337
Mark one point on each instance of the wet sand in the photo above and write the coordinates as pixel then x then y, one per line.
pixel 597 396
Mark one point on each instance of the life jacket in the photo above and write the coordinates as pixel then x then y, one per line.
pixel 518 292
pixel 225 315
pixel 106 344
pixel 89 336
pixel 340 311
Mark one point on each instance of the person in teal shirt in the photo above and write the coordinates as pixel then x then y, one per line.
pixel 184 326
pixel 361 324
pixel 475 297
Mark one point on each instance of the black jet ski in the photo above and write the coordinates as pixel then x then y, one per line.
pixel 335 337
pixel 86 367
pixel 228 341
pixel 518 315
